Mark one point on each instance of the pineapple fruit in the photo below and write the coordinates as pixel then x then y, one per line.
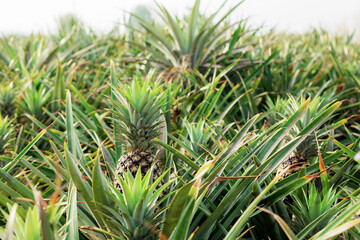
pixel 137 114
pixel 298 159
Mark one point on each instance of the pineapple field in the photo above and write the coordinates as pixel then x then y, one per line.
pixel 192 127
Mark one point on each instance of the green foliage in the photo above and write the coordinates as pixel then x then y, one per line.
pixel 313 206
pixel 283 108
pixel 42 221
pixel 6 132
pixel 231 110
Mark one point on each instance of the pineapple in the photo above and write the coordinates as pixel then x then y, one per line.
pixel 137 113
pixel 308 148
pixel 297 160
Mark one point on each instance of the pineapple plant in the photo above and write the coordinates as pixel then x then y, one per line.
pixel 137 114
pixel 33 100
pixel 309 204
pixel 7 100
pixel 307 149
pixel 138 200
pixel 6 131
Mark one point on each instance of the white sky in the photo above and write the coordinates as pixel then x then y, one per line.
pixel 26 16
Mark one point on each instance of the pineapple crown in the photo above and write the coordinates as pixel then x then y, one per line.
pixel 198 135
pixel 137 111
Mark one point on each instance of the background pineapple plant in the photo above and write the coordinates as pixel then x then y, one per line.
pixel 6 133
pixel 284 108
pixel 137 115
pixel 7 100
